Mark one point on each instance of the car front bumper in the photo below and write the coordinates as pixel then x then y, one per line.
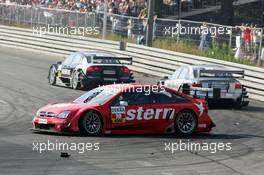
pixel 51 124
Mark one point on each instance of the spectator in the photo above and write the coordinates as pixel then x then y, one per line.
pixel 143 13
pixel 238 32
pixel 170 6
pixel 133 9
pixel 129 28
pixel 250 39
pixel 247 37
pixel 209 40
pixel 142 32
pixel 256 37
pixel 155 25
pixel 204 32
pixel 122 7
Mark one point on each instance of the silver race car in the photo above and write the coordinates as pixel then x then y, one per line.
pixel 90 69
pixel 213 82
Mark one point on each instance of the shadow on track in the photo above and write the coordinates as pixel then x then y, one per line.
pixel 254 109
pixel 197 136
pixel 228 106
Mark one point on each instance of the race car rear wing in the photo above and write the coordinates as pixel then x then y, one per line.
pixel 123 60
pixel 221 73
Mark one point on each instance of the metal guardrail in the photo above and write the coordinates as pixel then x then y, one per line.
pixel 198 34
pixel 147 60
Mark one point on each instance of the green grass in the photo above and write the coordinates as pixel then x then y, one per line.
pixel 218 51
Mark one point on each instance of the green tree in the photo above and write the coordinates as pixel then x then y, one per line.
pixel 227 12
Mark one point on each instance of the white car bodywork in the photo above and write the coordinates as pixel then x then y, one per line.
pixel 204 86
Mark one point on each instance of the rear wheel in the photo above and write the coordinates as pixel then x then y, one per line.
pixel 238 103
pixel 91 124
pixel 89 85
pixel 186 122
pixel 52 76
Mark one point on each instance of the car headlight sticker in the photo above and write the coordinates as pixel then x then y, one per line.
pixel 64 114
pixel 38 112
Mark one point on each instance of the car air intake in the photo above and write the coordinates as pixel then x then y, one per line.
pixel 47 114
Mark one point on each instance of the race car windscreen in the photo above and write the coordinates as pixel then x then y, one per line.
pixel 97 96
pixel 105 60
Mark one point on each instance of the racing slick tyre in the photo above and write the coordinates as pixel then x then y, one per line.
pixel 238 104
pixel 76 81
pixel 91 124
pixel 52 76
pixel 89 85
pixel 186 122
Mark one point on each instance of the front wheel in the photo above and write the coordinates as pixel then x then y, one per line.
pixel 76 80
pixel 52 76
pixel 186 122
pixel 91 124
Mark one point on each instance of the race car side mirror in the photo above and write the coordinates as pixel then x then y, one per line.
pixel 123 103
pixel 59 62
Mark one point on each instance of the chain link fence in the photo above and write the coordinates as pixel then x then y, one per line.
pixel 200 35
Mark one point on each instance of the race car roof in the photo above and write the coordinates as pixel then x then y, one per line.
pixel 208 66
pixel 98 53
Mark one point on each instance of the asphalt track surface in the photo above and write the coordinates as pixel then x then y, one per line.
pixel 24 88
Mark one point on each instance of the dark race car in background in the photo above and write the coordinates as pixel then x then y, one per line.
pixel 90 69
pixel 126 109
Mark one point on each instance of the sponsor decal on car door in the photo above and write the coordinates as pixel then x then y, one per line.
pixel 142 117
pixel 132 115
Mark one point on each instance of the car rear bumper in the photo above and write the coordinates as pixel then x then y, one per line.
pixel 106 80
pixel 221 95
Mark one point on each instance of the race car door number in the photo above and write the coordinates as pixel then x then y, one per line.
pixel 42 121
pixel 65 72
